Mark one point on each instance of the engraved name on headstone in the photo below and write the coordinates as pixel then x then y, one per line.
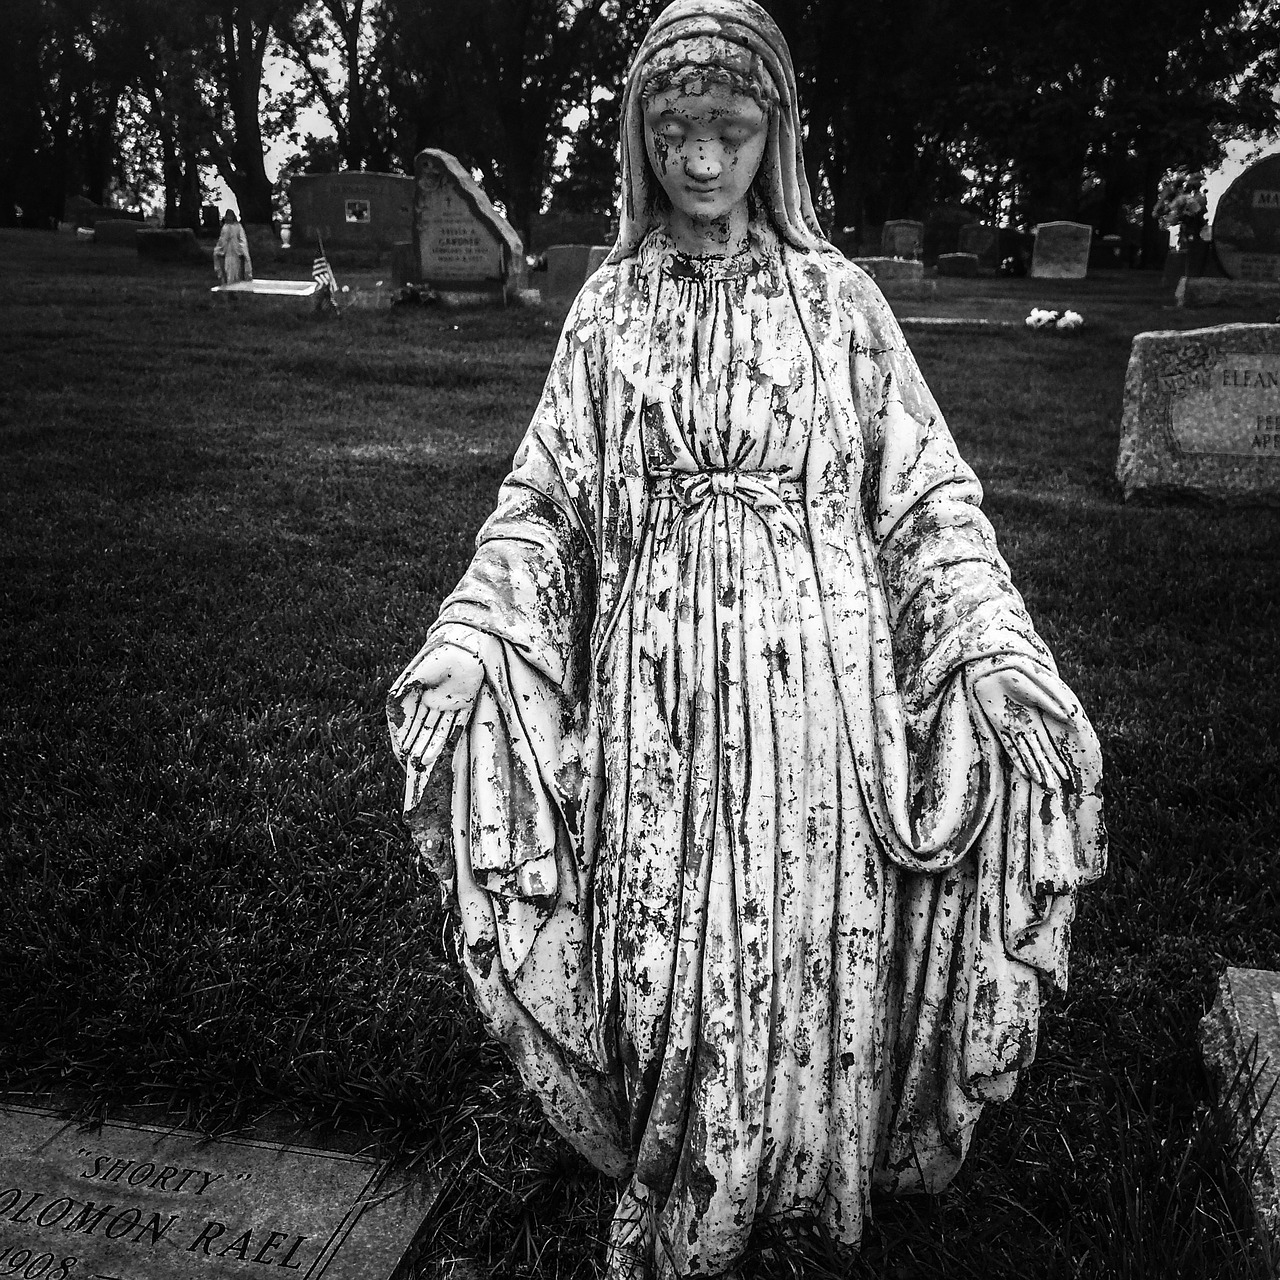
pixel 1061 251
pixel 1246 224
pixel 1202 413
pixel 138 1202
pixel 462 240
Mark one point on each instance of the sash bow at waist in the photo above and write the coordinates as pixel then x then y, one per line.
pixel 761 490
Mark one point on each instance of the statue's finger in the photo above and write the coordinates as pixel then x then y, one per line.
pixel 421 710
pixel 1051 752
pixel 1029 765
pixel 1048 701
pixel 423 736
pixel 1051 777
pixel 439 738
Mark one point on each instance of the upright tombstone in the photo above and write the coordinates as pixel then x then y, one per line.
pixel 1240 1042
pixel 902 238
pixel 896 277
pixel 566 269
pixel 463 244
pixel 1061 251
pixel 1202 414
pixel 983 242
pixel 1246 224
pixel 351 210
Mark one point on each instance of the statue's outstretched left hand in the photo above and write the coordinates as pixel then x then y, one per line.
pixel 1020 711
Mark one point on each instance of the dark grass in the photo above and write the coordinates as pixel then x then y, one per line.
pixel 225 529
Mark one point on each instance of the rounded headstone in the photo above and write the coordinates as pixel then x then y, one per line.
pixel 1246 224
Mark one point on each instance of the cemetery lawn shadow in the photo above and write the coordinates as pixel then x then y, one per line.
pixel 225 528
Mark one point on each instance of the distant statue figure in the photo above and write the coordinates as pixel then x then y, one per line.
pixel 767 807
pixel 231 261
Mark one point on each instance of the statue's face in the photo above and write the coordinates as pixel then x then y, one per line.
pixel 705 147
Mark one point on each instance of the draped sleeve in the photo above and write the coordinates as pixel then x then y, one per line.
pixel 508 829
pixel 954 615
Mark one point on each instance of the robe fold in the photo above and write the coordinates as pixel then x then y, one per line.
pixel 745 886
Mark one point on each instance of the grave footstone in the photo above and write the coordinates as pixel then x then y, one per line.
pixel 1202 414
pixel 140 1202
pixel 1246 224
pixel 464 245
pixel 958 264
pixel 1061 251
pixel 982 241
pixel 902 238
pixel 1240 1040
pixel 566 269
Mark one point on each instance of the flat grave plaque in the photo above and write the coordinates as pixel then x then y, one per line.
pixel 1202 413
pixel 139 1202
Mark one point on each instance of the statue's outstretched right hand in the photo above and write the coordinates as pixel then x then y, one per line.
pixel 442 692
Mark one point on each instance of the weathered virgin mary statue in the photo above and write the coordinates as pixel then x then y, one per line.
pixel 767 807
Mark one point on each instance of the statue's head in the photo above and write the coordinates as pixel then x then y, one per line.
pixel 709 117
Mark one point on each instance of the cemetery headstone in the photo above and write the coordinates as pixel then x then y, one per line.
pixel 1246 224
pixel 138 1202
pixel 1061 251
pixel 595 259
pixel 1202 414
pixel 958 264
pixel 902 238
pixel 463 243
pixel 1219 291
pixel 983 242
pixel 1240 1039
pixel 896 277
pixel 566 269
pixel 84 213
pixel 351 210
pixel 1107 253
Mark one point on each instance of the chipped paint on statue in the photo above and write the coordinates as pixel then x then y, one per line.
pixel 767 808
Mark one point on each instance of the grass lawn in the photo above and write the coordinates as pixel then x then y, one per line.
pixel 226 527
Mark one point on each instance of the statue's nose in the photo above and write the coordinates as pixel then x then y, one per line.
pixel 700 163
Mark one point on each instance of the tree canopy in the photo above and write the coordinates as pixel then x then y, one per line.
pixel 1019 110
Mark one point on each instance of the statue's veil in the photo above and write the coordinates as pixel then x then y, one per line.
pixel 781 182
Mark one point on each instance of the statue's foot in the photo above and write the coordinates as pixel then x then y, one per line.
pixel 629 1254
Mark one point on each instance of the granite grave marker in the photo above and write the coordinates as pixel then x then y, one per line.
pixel 351 210
pixel 140 1202
pixel 902 238
pixel 463 243
pixel 566 269
pixel 1202 414
pixel 1240 1039
pixel 1061 251
pixel 1246 224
